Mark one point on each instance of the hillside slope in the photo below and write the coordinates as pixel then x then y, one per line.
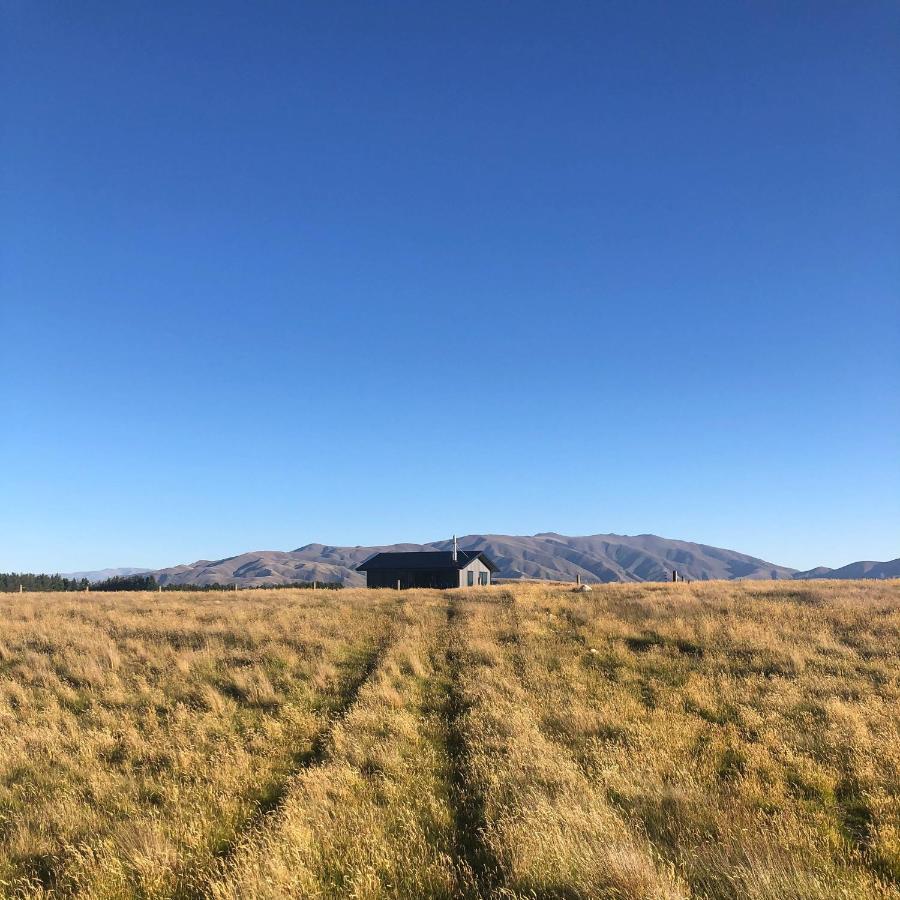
pixel 861 569
pixel 556 557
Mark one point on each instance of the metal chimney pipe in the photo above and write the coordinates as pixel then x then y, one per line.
pixel 455 549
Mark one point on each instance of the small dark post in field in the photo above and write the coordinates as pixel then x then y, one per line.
pixel 577 580
pixel 674 575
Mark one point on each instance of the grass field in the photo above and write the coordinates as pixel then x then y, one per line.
pixel 736 740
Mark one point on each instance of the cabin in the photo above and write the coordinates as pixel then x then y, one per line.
pixel 428 569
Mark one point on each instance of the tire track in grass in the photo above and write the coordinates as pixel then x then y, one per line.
pixel 479 872
pixel 361 670
pixel 374 818
pixel 555 834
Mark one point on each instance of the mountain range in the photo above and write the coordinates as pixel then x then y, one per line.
pixel 598 558
pixel 551 556
pixel 102 574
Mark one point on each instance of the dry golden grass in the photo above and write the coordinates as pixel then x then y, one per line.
pixel 706 740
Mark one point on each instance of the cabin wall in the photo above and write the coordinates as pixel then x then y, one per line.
pixel 412 578
pixel 475 567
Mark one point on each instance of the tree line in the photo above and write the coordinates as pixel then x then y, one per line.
pixel 11 581
pixel 27 581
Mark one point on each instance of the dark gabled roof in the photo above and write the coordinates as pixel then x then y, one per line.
pixel 424 559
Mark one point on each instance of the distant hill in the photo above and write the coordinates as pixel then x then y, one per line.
pixel 557 557
pixel 863 569
pixel 103 574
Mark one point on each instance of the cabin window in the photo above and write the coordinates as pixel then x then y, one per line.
pixel 471 577
pixel 482 577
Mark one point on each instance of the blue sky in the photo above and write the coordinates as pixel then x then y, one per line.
pixel 355 273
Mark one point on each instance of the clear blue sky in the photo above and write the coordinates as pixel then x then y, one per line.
pixel 366 272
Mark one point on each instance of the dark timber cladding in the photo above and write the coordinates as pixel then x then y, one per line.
pixel 428 569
